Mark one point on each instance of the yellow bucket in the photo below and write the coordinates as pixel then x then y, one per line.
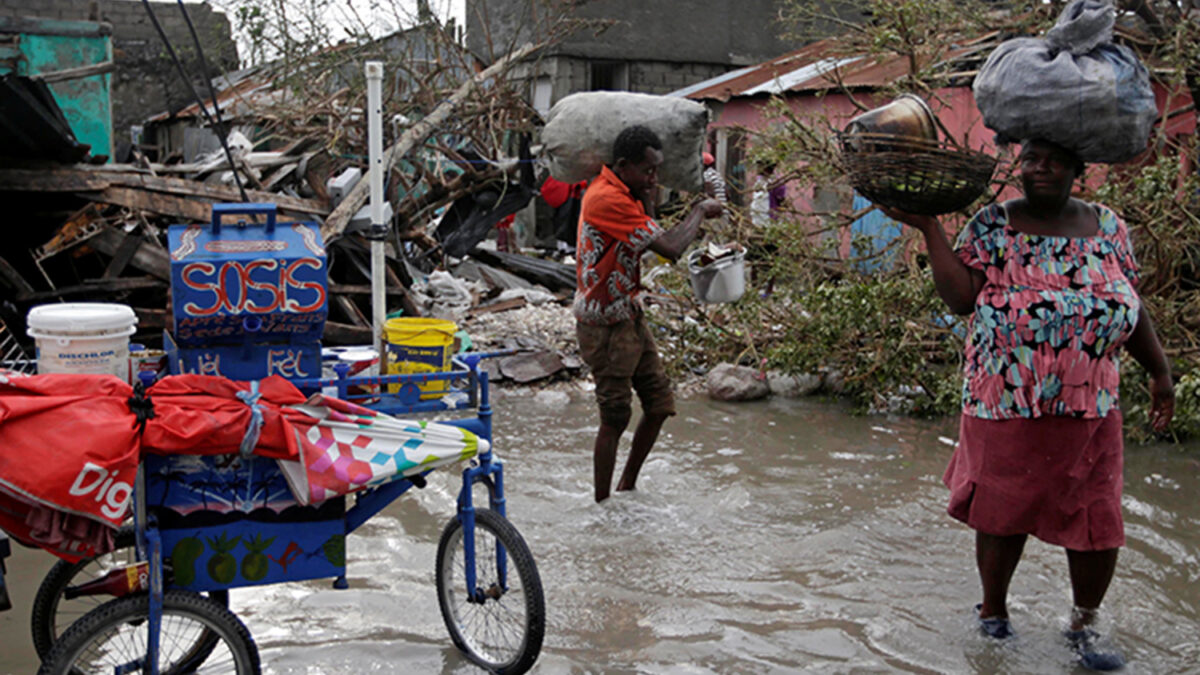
pixel 418 345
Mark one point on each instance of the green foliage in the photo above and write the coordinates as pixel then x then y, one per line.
pixel 886 335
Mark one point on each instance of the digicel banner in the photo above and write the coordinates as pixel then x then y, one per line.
pixel 69 447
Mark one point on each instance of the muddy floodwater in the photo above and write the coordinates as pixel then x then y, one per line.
pixel 772 537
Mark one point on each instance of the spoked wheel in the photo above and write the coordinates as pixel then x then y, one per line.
pixel 498 625
pixel 112 638
pixel 53 612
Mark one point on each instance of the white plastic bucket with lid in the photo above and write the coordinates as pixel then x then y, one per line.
pixel 90 338
pixel 722 280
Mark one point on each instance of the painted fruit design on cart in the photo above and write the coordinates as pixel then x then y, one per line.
pixel 255 565
pixel 222 566
pixel 183 560
pixel 335 550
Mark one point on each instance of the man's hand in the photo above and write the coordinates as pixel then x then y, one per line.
pixel 711 208
pixel 1162 402
pixel 649 199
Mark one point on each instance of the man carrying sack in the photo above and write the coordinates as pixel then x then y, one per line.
pixel 616 226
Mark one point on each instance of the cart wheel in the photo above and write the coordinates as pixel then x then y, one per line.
pixel 112 638
pixel 52 614
pixel 498 628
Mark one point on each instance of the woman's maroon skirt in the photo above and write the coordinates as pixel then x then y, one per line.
pixel 1057 478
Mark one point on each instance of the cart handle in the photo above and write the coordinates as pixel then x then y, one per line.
pixel 471 359
pixel 248 209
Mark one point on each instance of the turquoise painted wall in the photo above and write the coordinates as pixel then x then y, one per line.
pixel 46 46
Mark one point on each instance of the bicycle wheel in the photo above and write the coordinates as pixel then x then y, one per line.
pixel 52 613
pixel 112 638
pixel 499 628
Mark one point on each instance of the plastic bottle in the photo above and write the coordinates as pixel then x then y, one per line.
pixel 118 582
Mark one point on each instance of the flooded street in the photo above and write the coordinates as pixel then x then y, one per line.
pixel 772 537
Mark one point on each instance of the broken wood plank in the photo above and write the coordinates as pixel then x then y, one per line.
pixel 99 288
pixel 362 289
pixel 129 245
pixel 52 180
pixel 153 319
pixel 75 73
pixel 82 225
pixel 502 306
pixel 215 193
pixel 406 302
pixel 14 278
pixel 317 171
pixel 351 311
pixel 345 334
pixel 149 257
pixel 172 206
pixel 82 178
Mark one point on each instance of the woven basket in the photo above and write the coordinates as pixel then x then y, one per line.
pixel 915 175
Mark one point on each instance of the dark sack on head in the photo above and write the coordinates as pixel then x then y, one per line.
pixel 581 128
pixel 1074 88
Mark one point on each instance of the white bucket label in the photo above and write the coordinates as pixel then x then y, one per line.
pixel 105 356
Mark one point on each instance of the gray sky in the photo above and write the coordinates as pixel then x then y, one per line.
pixel 380 17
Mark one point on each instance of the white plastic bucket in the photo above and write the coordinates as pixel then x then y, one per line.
pixel 82 337
pixel 723 280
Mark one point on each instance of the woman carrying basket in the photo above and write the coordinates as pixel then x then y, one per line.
pixel 1050 283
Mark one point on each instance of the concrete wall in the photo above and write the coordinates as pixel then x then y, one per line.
pixel 146 81
pixel 725 32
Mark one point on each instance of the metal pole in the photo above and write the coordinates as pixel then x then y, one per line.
pixel 374 73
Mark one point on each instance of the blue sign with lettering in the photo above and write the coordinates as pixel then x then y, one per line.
pixel 232 283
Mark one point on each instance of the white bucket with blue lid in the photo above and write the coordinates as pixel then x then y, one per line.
pixel 89 338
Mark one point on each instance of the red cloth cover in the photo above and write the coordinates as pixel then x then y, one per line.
pixel 556 193
pixel 68 444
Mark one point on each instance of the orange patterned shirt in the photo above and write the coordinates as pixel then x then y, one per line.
pixel 614 230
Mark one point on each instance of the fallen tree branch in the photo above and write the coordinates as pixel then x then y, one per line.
pixel 340 217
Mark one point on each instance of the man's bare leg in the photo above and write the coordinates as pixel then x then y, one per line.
pixel 643 441
pixel 604 457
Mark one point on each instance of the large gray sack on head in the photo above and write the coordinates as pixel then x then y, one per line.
pixel 580 130
pixel 1074 88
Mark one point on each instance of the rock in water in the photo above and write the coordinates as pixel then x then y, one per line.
pixel 793 386
pixel 729 382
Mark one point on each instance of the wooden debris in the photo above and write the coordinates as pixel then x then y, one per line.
pixel 530 367
pixel 515 303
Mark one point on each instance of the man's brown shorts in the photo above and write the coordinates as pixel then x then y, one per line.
pixel 624 359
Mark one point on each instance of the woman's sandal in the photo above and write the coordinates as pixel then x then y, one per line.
pixel 1083 643
pixel 995 627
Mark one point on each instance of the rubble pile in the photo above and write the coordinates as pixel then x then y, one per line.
pixel 86 228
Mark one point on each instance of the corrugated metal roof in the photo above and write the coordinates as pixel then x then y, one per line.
pixel 826 65
pixel 820 65
pixel 688 91
pixel 788 80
